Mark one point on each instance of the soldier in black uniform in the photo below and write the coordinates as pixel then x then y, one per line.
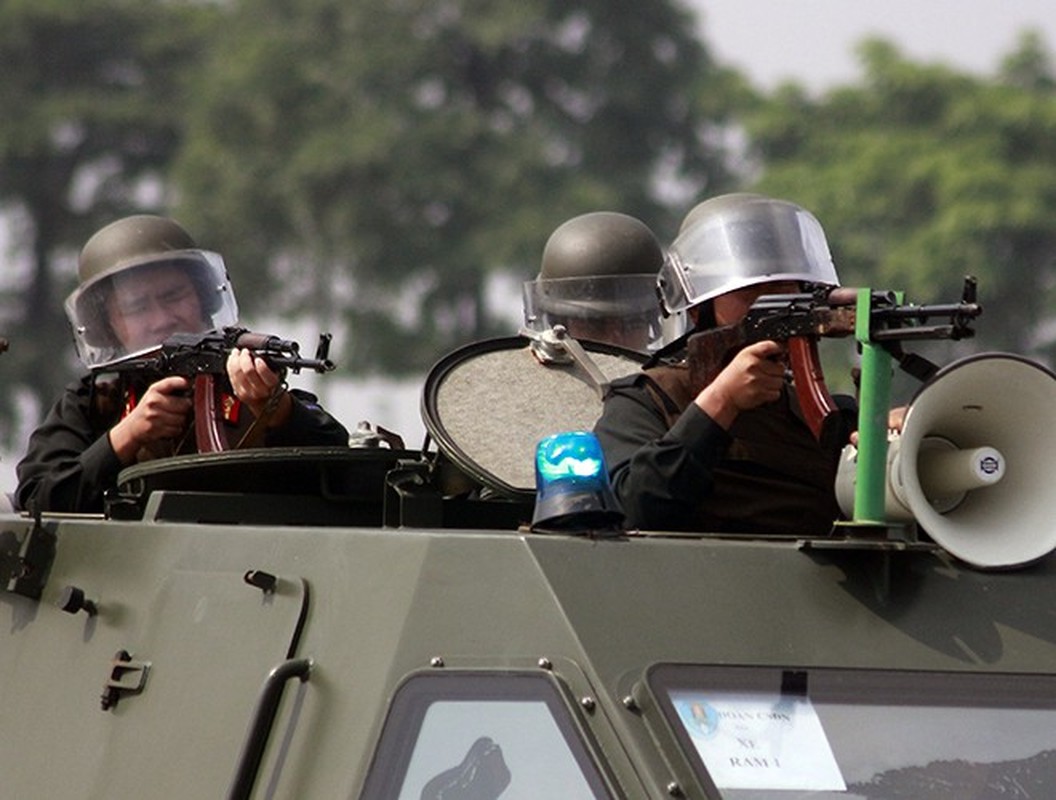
pixel 736 456
pixel 142 279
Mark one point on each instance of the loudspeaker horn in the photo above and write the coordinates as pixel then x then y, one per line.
pixel 974 461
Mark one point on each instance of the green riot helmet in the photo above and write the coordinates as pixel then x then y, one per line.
pixel 598 280
pixel 738 240
pixel 142 279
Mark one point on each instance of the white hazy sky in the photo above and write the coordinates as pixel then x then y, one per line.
pixel 812 41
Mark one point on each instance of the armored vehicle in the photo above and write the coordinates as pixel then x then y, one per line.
pixel 383 622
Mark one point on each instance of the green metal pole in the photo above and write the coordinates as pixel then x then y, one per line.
pixel 874 403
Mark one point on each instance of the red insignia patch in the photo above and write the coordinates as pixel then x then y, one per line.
pixel 230 406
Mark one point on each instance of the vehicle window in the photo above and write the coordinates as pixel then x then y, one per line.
pixel 482 736
pixel 847 734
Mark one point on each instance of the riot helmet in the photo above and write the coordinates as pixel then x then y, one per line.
pixel 737 240
pixel 598 280
pixel 142 279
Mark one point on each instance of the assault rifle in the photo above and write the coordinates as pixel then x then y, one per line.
pixel 801 319
pixel 203 356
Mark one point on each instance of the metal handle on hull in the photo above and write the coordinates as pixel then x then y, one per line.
pixel 263 720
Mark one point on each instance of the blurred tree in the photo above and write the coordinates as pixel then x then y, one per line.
pixel 375 162
pixel 922 175
pixel 92 106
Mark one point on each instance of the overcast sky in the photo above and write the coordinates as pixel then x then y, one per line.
pixel 812 41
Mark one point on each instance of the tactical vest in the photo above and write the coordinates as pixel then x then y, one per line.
pixel 775 477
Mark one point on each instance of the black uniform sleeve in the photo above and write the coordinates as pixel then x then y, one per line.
pixel 68 465
pixel 310 425
pixel 658 475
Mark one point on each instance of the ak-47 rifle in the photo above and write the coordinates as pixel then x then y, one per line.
pixel 802 319
pixel 202 357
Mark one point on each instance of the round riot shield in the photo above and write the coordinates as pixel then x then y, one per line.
pixel 488 404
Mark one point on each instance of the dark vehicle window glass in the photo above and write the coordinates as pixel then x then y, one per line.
pixel 483 736
pixel 850 734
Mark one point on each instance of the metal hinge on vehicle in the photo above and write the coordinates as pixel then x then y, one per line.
pixel 557 346
pixel 126 677
pixel 25 563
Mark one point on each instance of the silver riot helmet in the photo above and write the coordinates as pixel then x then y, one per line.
pixel 598 280
pixel 142 279
pixel 738 240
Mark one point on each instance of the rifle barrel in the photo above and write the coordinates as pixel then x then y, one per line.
pixel 295 362
pixel 961 310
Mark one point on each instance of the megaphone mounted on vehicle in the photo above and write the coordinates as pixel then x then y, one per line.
pixel 972 465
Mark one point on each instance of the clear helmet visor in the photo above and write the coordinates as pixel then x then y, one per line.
pixel 747 244
pixel 135 307
pixel 614 309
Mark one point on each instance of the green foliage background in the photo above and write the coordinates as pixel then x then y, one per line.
pixel 378 161
pixel 922 175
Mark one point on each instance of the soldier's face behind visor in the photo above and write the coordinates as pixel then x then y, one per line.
pixel 150 303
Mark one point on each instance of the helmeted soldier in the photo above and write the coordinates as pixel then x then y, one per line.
pixel 143 279
pixel 736 455
pixel 598 280
pixel 736 241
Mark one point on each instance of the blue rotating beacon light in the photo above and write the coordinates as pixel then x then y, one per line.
pixel 572 486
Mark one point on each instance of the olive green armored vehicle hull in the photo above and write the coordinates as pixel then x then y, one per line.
pixel 210 645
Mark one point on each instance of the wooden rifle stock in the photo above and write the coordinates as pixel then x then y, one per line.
pixel 708 353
